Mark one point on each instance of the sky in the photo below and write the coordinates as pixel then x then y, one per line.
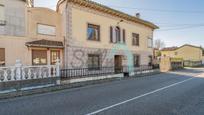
pixel 180 21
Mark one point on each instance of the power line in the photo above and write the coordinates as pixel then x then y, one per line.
pixel 160 10
pixel 181 28
pixel 180 25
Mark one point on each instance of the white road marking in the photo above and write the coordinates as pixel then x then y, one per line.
pixel 143 95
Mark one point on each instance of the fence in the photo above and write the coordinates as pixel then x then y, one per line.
pixel 100 71
pixel 20 72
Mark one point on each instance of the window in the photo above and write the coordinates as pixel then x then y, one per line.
pixel 39 57
pixel 136 60
pixel 55 54
pixel 46 29
pixel 2 57
pixel 93 61
pixel 135 39
pixel 117 35
pixel 150 43
pixel 2 15
pixel 93 32
pixel 117 32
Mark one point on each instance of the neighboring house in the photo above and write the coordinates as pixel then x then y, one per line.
pixel 186 52
pixel 98 36
pixel 32 35
pixel 157 53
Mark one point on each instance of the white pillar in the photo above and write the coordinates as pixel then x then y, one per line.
pixel 58 82
pixel 18 66
pixel 48 57
pixel 58 68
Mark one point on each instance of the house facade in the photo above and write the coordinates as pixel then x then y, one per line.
pixel 98 36
pixel 82 34
pixel 32 35
pixel 186 52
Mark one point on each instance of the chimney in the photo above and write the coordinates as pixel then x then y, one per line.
pixel 138 15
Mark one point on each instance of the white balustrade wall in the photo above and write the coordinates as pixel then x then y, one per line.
pixel 20 72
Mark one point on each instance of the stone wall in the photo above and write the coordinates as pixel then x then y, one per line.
pixel 78 56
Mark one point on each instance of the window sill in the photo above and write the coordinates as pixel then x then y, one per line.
pixel 136 45
pixel 94 40
pixel 117 43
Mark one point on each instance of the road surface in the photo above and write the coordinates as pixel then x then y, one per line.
pixel 174 93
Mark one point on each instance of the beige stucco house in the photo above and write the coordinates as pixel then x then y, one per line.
pixel 82 33
pixel 96 35
pixel 186 52
pixel 32 35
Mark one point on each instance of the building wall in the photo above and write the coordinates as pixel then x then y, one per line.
pixel 185 52
pixel 78 19
pixel 15 17
pixel 15 45
pixel 190 53
pixel 168 53
pixel 46 17
pixel 15 49
pixel 81 17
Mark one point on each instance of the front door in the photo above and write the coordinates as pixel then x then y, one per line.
pixel 118 64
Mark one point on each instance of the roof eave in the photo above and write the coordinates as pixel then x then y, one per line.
pixel 111 11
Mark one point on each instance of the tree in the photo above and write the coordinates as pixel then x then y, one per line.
pixel 159 44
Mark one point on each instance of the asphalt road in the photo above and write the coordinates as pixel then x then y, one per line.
pixel 175 93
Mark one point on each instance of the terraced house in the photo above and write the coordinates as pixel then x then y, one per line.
pixel 98 36
pixel 30 34
pixel 82 33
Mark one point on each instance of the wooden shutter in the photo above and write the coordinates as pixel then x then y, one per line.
pixel 119 35
pixel 39 57
pixel 111 34
pixel 133 39
pixel 124 35
pixel 138 40
pixel 2 56
pixel 114 34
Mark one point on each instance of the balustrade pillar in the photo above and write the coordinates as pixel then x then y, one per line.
pixel 18 66
pixel 58 68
